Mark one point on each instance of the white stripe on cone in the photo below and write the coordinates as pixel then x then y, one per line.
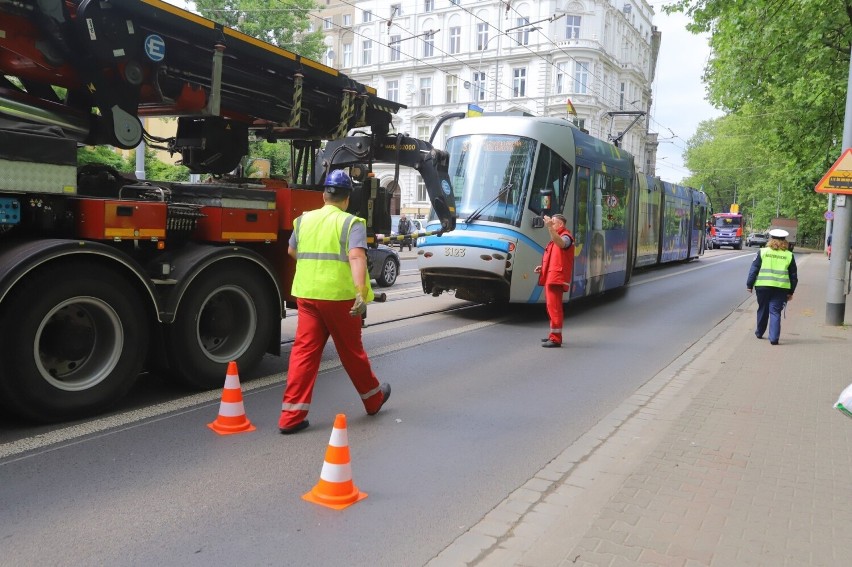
pixel 231 409
pixel 339 438
pixel 336 473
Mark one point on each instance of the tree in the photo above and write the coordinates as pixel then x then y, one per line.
pixel 103 155
pixel 283 23
pixel 782 68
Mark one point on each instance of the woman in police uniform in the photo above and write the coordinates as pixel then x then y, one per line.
pixel 773 275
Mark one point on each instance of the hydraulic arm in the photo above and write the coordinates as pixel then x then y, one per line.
pixel 93 67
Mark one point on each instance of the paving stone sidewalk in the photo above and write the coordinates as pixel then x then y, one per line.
pixel 733 455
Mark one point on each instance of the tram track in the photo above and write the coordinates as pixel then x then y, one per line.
pixel 407 293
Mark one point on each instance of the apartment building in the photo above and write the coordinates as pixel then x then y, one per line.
pixel 439 56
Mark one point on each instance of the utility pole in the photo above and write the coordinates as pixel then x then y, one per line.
pixel 835 306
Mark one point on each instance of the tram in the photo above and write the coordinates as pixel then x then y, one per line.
pixel 509 171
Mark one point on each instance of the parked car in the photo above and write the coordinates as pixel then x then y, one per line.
pixel 383 263
pixel 757 239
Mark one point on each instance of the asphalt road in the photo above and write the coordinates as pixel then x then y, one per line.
pixel 477 409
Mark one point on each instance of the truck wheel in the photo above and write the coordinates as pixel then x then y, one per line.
pixel 74 341
pixel 227 314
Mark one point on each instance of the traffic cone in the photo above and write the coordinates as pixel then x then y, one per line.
pixel 335 488
pixel 232 415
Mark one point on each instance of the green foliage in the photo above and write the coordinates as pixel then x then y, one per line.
pixel 278 154
pixel 283 23
pixel 103 155
pixel 780 69
pixel 156 170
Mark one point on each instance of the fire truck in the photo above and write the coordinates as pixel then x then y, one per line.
pixel 103 275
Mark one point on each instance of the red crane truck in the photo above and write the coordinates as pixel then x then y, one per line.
pixel 103 275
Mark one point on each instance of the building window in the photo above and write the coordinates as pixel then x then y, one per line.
pixel 455 40
pixel 347 20
pixel 452 89
pixel 621 97
pixel 581 77
pixel 579 122
pixel 392 91
pixel 561 79
pixel 481 36
pixel 428 5
pixel 478 86
pixel 367 52
pixel 327 23
pixel 425 91
pixel 429 44
pixel 347 55
pixel 421 190
pixel 519 82
pixel 395 10
pixel 367 16
pixel 329 58
pixel 572 27
pixel 522 36
pixel 395 54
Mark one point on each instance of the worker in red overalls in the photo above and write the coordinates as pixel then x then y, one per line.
pixel 332 288
pixel 554 274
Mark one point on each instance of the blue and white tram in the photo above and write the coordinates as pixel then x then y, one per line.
pixel 509 171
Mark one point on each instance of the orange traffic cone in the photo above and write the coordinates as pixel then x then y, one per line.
pixel 232 415
pixel 335 488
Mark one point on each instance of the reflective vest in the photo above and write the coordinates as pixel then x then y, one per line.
pixel 774 265
pixel 322 255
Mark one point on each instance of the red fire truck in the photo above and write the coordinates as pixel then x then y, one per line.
pixel 101 275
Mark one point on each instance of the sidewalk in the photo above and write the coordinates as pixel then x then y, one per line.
pixel 733 455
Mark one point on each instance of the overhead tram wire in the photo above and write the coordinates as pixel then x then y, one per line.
pixel 496 96
pixel 414 57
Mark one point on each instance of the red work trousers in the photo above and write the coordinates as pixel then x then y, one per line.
pixel 553 301
pixel 319 319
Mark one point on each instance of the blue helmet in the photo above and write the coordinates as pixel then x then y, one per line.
pixel 337 182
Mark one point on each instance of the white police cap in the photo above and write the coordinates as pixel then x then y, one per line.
pixel 778 233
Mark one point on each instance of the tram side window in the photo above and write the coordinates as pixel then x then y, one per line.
pixel 582 200
pixel 551 174
pixel 610 201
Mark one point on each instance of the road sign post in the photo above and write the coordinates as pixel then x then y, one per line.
pixel 835 306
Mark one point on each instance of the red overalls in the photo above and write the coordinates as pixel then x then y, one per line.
pixel 557 267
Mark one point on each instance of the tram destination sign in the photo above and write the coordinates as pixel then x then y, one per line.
pixel 838 179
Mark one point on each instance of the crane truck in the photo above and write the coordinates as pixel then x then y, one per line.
pixel 103 275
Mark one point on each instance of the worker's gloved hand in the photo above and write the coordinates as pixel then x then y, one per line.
pixel 359 307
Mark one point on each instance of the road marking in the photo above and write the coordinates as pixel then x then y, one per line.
pixel 701 267
pixel 202 399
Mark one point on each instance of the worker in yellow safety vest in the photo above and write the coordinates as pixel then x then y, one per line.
pixel 332 289
pixel 774 276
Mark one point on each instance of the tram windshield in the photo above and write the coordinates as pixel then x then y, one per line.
pixel 490 175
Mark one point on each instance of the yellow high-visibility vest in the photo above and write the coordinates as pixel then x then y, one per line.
pixel 322 255
pixel 774 265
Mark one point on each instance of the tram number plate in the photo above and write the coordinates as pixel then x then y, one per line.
pixel 454 251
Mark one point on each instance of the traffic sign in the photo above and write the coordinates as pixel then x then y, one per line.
pixel 838 179
pixel 829 215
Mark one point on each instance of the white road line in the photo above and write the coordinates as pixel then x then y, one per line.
pixel 202 399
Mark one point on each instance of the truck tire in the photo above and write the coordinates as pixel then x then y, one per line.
pixel 227 314
pixel 74 341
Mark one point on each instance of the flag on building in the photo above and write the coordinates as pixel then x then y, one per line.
pixel 571 109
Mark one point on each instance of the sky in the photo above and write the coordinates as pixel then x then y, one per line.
pixel 680 98
pixel 679 102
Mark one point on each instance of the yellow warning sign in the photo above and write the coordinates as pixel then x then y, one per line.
pixel 839 176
